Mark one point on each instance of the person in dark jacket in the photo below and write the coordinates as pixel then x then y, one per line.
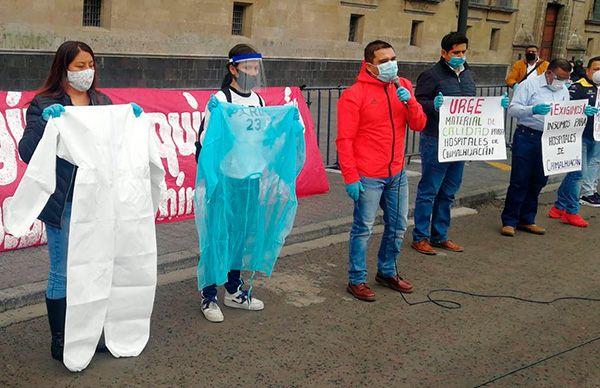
pixel 71 81
pixel 450 76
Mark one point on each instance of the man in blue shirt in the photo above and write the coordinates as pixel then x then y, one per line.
pixel 530 103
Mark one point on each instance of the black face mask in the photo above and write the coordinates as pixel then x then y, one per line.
pixel 530 56
pixel 246 81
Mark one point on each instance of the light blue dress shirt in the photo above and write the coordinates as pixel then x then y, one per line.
pixel 533 91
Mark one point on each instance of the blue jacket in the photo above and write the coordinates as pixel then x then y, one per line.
pixel 441 78
pixel 584 89
pixel 65 171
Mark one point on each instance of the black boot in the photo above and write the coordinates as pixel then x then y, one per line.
pixel 57 309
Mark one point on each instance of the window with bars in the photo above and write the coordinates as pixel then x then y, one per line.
pixel 237 22
pixel 92 10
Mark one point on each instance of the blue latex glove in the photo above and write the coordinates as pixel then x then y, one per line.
pixel 354 190
pixel 53 110
pixel 438 101
pixel 515 85
pixel 403 94
pixel 590 110
pixel 212 103
pixel 137 110
pixel 541 109
pixel 505 101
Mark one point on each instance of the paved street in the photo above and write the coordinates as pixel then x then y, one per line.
pixel 312 333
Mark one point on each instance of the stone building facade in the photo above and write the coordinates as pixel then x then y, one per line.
pixel 183 43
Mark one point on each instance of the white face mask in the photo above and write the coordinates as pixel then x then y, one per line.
pixel 596 77
pixel 81 80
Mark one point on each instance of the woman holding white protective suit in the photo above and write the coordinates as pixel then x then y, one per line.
pixel 93 178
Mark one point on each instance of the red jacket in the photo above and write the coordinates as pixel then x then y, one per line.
pixel 372 127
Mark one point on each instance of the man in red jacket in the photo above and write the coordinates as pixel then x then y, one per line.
pixel 372 118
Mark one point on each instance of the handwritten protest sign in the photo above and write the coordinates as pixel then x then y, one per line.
pixel 471 128
pixel 561 140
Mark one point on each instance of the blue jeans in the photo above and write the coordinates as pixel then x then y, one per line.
pixel 232 285
pixel 589 184
pixel 392 195
pixel 58 244
pixel 435 192
pixel 527 178
pixel 568 192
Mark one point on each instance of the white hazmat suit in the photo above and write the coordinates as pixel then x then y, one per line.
pixel 112 256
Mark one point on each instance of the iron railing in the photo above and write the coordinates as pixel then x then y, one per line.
pixel 322 102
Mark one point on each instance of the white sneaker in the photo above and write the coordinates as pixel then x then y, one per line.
pixel 240 300
pixel 211 310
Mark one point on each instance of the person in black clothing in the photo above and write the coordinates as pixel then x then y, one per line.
pixel 450 76
pixel 72 81
pixel 578 70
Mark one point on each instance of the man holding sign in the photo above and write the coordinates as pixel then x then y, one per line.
pixel 448 120
pixel 531 102
pixel 566 206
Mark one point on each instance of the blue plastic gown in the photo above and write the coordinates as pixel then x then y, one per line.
pixel 245 197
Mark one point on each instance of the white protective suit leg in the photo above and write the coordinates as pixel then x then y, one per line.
pixel 127 326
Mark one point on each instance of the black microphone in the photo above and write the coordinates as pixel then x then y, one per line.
pixel 396 82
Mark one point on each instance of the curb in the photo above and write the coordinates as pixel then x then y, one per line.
pixel 34 293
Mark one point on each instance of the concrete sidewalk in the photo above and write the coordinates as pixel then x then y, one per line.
pixel 23 272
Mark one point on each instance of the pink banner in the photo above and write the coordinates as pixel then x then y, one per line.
pixel 177 115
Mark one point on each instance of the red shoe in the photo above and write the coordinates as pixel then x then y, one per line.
pixel 361 291
pixel 555 212
pixel 574 219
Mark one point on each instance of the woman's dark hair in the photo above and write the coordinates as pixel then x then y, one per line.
pixel 56 83
pixel 238 49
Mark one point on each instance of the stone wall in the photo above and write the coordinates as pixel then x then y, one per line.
pixel 26 71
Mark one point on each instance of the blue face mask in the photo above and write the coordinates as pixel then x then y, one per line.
pixel 456 62
pixel 387 71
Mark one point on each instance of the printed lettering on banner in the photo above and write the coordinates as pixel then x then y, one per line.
pixel 561 140
pixel 471 128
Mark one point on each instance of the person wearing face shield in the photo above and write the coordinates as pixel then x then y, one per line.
pixel 584 182
pixel 372 118
pixel 530 66
pixel 450 76
pixel 530 103
pixel 72 81
pixel 245 76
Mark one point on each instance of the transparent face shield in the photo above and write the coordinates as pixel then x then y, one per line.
pixel 250 72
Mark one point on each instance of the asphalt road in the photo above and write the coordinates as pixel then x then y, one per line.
pixel 312 333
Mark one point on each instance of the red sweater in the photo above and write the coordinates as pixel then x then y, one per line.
pixel 372 127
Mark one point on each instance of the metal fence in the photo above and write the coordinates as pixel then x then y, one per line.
pixel 322 102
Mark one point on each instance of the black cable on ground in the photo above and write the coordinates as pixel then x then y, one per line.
pixel 453 305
